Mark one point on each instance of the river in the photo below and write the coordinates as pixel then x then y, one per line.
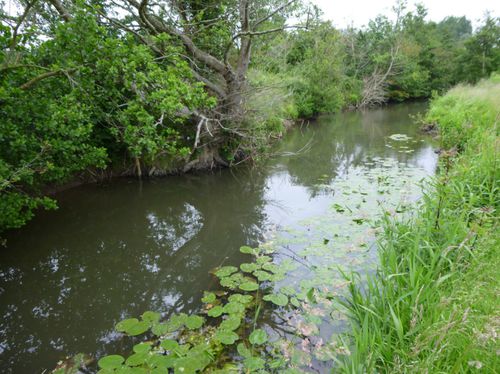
pixel 113 251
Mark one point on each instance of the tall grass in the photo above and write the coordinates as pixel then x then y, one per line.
pixel 432 305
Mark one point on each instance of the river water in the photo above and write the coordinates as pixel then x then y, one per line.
pixel 113 251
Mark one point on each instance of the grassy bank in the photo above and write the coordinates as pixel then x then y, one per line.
pixel 432 306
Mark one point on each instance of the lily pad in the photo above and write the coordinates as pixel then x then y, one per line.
pixel 194 322
pixel 243 299
pixel 258 337
pixel 216 311
pixel 234 307
pixel 248 268
pixel 226 271
pixel 226 337
pixel 249 250
pixel 278 299
pixel 249 286
pixel 169 344
pixel 231 323
pixel 209 297
pixel 137 359
pixel 151 317
pixel 111 362
pixel 124 325
pixel 142 347
pixel 254 363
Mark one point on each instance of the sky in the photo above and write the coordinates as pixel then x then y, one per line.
pixel 358 12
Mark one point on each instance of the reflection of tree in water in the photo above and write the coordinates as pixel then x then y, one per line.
pixel 114 252
pixel 346 140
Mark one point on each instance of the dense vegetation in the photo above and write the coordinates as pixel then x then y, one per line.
pixel 432 306
pixel 90 89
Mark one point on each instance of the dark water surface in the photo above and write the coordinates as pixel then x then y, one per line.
pixel 113 251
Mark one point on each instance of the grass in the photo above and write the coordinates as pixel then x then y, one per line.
pixel 432 305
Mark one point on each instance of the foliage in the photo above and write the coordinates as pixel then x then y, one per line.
pixel 87 92
pixel 421 311
pixel 107 96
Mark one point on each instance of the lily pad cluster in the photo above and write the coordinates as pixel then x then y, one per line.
pixel 224 337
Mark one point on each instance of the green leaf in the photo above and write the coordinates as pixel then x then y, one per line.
pixel 310 296
pixel 169 344
pixel 254 363
pixel 279 299
pixel 111 362
pixel 152 317
pixel 161 361
pixel 243 350
pixel 226 337
pixel 287 290
pixel 226 271
pixel 234 307
pixel 177 321
pixel 243 299
pixel 248 268
pixel 273 268
pixel 249 286
pixel 124 325
pixel 258 337
pixel 209 297
pixel 231 323
pixel 138 329
pixel 160 329
pixel 263 259
pixel 262 275
pixel 142 347
pixel 194 322
pixel 295 302
pixel 249 250
pixel 216 311
pixel 137 359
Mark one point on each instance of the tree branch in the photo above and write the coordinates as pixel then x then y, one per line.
pixel 157 25
pixel 43 76
pixel 273 13
pixel 61 9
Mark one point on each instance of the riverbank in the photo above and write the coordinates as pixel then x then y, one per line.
pixel 432 306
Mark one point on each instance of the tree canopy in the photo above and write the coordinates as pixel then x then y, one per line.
pixel 95 88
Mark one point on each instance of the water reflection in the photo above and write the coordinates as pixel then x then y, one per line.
pixel 114 251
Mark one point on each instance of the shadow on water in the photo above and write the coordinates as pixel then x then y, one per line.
pixel 113 251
